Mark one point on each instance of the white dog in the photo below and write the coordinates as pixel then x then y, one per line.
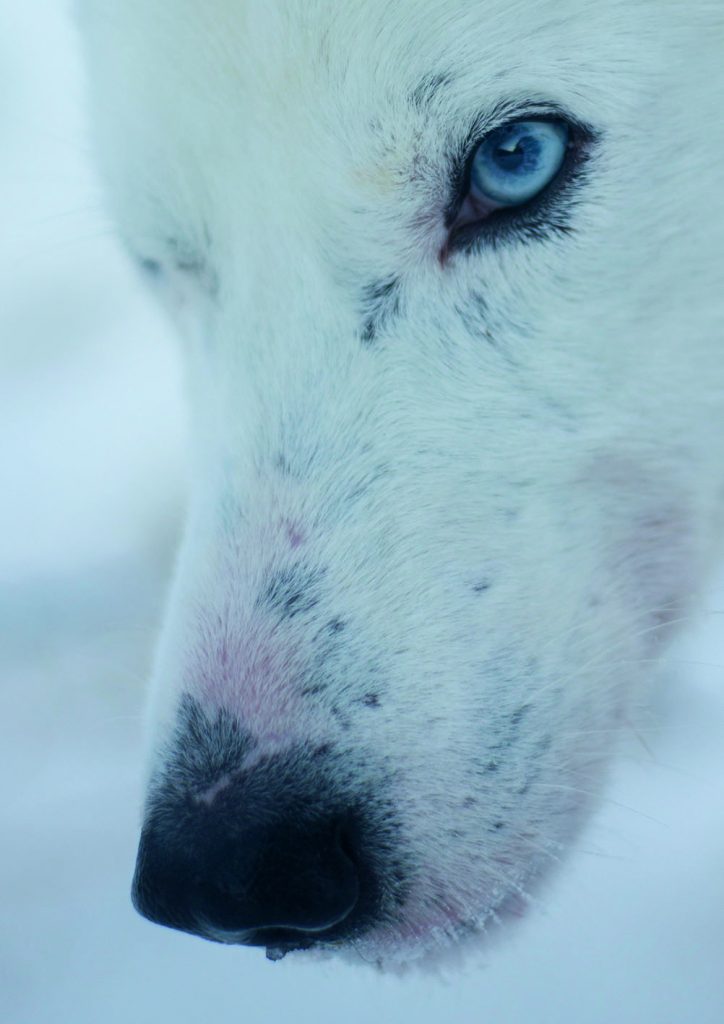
pixel 448 278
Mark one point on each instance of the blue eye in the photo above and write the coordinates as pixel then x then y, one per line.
pixel 516 162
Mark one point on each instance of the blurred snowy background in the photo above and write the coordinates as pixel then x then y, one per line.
pixel 91 477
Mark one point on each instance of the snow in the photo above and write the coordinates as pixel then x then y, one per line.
pixel 92 468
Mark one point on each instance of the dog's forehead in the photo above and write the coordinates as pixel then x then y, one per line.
pixel 283 54
pixel 354 84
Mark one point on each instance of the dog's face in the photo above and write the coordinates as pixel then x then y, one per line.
pixel 445 271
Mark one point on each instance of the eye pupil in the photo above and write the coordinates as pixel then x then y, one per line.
pixel 513 159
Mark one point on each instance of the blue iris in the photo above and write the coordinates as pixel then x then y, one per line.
pixel 516 162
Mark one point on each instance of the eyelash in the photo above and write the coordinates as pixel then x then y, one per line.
pixel 532 220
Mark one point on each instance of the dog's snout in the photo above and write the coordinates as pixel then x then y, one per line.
pixel 247 869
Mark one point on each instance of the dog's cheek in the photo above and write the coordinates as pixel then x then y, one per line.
pixel 650 551
pixel 661 556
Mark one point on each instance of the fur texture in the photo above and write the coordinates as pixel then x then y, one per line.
pixel 447 505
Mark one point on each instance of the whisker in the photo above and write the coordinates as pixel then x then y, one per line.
pixel 598 796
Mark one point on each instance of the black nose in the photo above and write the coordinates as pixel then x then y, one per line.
pixel 248 885
pixel 247 867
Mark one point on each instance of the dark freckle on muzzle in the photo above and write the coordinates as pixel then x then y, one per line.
pixel 519 714
pixel 314 690
pixel 292 591
pixel 292 853
pixel 381 303
pixel 282 464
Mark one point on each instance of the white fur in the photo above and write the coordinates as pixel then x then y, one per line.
pixel 544 417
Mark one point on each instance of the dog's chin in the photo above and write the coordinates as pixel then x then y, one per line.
pixel 425 944
pixel 462 932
